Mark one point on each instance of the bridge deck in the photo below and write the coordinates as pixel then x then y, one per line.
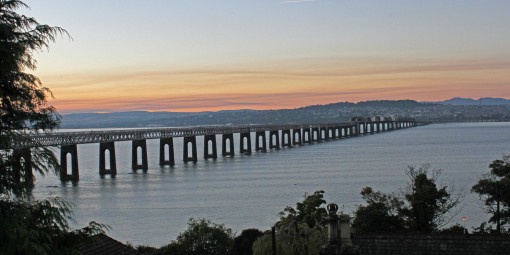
pixel 68 138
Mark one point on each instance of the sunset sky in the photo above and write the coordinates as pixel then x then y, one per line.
pixel 208 55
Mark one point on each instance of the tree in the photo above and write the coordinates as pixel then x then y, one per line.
pixel 244 242
pixel 293 239
pixel 494 189
pixel 311 211
pixel 28 226
pixel 428 207
pixel 202 237
pixel 23 106
pixel 423 207
pixel 381 214
pixel 300 230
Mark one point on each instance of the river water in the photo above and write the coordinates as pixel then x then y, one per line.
pixel 248 191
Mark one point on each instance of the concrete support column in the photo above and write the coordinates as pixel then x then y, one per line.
pixel 286 134
pixel 230 138
pixel 274 143
pixel 25 165
pixel 260 145
pixel 324 130
pixel 372 128
pixel 306 136
pixel 315 131
pixel 110 147
pixel 171 157
pixel 73 151
pixel 299 139
pixel 245 149
pixel 185 151
pixel 214 153
pixel 142 144
pixel 332 131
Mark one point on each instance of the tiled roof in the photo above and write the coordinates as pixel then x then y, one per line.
pixel 105 245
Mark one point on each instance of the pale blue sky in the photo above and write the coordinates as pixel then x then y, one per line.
pixel 192 35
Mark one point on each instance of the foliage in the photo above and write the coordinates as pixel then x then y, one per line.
pixel 495 186
pixel 428 207
pixel 202 237
pixel 300 230
pixel 310 211
pixel 381 214
pixel 28 226
pixel 423 207
pixel 454 229
pixel 243 243
pixel 23 107
pixel 39 227
pixel 294 239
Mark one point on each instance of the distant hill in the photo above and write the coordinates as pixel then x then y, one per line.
pixel 481 101
pixel 456 109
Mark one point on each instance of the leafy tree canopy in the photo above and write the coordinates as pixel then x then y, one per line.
pixel 494 187
pixel 202 237
pixel 244 242
pixel 23 105
pixel 311 211
pixel 381 214
pixel 28 226
pixel 300 230
pixel 422 207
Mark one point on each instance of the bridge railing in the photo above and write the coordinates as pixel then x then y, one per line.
pixel 69 138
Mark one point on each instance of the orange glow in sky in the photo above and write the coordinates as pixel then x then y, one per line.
pixel 271 54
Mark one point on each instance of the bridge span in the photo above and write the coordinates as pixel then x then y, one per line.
pixel 266 137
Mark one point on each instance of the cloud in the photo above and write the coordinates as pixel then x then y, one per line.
pixel 285 84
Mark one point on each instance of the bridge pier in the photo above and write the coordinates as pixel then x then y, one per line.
pixel 316 135
pixel 274 143
pixel 171 156
pixel 331 133
pixel 142 144
pixel 286 138
pixel 338 132
pixel 73 151
pixel 260 146
pixel 214 152
pixel 297 139
pixel 25 165
pixel 110 147
pixel 185 150
pixel 245 149
pixel 323 130
pixel 306 136
pixel 230 138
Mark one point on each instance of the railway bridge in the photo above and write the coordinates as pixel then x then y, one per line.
pixel 267 137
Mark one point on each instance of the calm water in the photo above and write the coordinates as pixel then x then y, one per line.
pixel 248 191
